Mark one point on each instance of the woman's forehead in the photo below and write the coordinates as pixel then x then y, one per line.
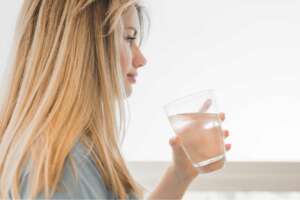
pixel 131 19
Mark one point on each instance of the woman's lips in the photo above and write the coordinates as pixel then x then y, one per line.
pixel 131 78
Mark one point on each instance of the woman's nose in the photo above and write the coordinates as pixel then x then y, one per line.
pixel 139 59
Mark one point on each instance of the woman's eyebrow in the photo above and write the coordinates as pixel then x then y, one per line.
pixel 132 28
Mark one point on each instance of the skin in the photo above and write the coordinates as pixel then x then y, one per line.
pixel 180 173
pixel 131 56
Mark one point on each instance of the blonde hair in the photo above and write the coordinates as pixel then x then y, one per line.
pixel 65 84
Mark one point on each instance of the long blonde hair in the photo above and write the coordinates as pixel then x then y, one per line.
pixel 65 84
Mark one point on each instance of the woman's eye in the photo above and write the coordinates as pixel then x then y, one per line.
pixel 130 39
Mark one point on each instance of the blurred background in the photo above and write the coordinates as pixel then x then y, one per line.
pixel 248 51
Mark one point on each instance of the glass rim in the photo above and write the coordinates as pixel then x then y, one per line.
pixel 186 96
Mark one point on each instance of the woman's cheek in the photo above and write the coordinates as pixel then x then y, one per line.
pixel 125 58
pixel 125 64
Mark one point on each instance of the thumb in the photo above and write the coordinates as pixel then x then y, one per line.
pixel 175 143
pixel 178 152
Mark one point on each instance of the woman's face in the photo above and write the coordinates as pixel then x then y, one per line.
pixel 131 56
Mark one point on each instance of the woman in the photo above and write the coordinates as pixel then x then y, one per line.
pixel 63 112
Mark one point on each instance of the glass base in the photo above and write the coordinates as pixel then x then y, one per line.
pixel 209 161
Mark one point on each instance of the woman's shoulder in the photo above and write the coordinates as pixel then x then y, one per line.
pixel 80 178
pixel 88 182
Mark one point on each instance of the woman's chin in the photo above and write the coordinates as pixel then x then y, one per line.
pixel 128 91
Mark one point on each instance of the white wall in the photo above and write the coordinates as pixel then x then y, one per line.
pixel 246 50
pixel 8 16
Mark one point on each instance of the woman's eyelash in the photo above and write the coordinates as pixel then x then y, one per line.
pixel 130 38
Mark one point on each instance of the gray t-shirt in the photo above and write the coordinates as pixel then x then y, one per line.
pixel 89 186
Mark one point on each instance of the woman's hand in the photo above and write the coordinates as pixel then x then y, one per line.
pixel 181 165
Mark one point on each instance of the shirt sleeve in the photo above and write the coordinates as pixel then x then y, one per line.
pixel 89 185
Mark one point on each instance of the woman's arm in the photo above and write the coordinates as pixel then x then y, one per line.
pixel 177 177
pixel 171 186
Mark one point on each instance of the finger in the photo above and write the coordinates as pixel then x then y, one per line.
pixel 226 133
pixel 176 146
pixel 174 141
pixel 227 147
pixel 205 106
pixel 222 116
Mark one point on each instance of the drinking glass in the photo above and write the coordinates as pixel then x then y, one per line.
pixel 195 119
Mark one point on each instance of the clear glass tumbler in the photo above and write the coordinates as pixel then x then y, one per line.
pixel 195 119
